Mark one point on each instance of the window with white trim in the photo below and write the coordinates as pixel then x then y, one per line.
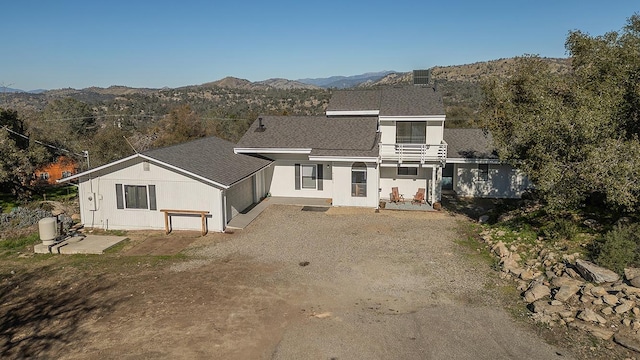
pixel 407 171
pixel 136 197
pixel 483 172
pixel 359 180
pixel 411 132
pixel 44 176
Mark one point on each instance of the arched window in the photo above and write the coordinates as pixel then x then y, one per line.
pixel 359 179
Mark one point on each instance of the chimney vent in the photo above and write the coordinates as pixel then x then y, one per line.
pixel 261 126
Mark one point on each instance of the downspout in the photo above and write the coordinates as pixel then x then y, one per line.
pixel 223 193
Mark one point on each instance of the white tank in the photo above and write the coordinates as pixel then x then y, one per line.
pixel 48 230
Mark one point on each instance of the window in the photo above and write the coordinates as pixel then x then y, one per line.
pixel 407 171
pixel 359 180
pixel 483 172
pixel 44 176
pixel 66 174
pixel 308 179
pixel 308 176
pixel 136 197
pixel 411 132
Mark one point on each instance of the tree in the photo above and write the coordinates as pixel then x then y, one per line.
pixel 181 125
pixel 16 169
pixel 574 135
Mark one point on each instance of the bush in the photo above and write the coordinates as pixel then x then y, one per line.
pixel 619 248
pixel 561 229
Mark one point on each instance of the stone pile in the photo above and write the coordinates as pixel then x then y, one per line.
pixel 565 290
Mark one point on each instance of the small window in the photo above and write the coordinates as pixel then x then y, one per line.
pixel 359 180
pixel 66 174
pixel 483 172
pixel 407 171
pixel 308 178
pixel 44 176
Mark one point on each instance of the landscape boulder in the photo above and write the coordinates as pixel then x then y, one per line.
pixel 595 273
pixel 566 291
pixel 536 291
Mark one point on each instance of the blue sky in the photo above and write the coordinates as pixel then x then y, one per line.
pixel 59 44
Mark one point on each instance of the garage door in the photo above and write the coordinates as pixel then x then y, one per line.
pixel 239 197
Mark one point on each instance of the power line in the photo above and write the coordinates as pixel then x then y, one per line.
pixel 41 143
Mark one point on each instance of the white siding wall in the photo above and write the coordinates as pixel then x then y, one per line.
pixel 504 181
pixel 342 186
pixel 173 191
pixel 239 197
pixel 387 132
pixel 435 132
pixel 283 180
pixel 407 185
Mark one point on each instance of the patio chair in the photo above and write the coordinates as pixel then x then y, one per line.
pixel 418 198
pixel 396 197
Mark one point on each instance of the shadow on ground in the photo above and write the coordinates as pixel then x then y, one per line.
pixel 40 318
pixel 476 207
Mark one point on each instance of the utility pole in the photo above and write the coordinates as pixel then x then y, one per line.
pixel 85 153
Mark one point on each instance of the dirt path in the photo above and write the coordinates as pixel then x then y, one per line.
pixel 377 286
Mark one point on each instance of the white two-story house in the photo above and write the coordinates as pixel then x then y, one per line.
pixel 369 142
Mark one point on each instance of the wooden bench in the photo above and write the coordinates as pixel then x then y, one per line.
pixel 168 212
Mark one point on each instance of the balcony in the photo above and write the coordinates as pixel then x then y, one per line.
pixel 414 152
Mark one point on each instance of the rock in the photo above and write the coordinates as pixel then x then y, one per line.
pixel 527 275
pixel 635 282
pixel 636 311
pixel 610 299
pixel 75 217
pixel 628 342
pixel 635 325
pixel 630 273
pixel 598 291
pixel 594 273
pixel 500 249
pixel 483 219
pixel 522 285
pixel 591 316
pixel 536 291
pixel 556 302
pixel 566 291
pixel 564 280
pixel 542 306
pixel 573 274
pixel 597 301
pixel 624 307
pixel 587 299
pixel 626 322
pixel 566 315
pixel 596 331
pixel 630 290
pixel 607 311
pixel 509 264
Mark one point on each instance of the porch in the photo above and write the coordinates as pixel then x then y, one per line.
pixel 243 219
pixel 407 205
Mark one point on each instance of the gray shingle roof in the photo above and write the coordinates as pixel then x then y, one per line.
pixel 212 158
pixel 344 136
pixel 391 101
pixel 469 144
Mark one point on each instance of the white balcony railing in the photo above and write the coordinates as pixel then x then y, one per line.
pixel 414 152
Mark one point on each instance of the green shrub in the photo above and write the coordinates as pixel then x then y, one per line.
pixel 561 229
pixel 619 248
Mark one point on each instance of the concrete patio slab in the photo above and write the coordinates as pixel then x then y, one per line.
pixel 90 244
pixel 241 221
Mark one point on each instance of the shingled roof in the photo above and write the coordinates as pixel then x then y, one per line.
pixel 469 144
pixel 392 101
pixel 344 136
pixel 211 158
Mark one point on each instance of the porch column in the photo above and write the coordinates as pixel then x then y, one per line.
pixel 433 185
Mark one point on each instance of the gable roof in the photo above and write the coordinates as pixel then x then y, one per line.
pixel 390 101
pixel 321 135
pixel 211 159
pixel 469 144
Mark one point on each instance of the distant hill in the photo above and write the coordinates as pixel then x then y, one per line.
pixel 343 82
pixel 9 90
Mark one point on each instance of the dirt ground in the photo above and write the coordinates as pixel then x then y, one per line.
pixel 345 284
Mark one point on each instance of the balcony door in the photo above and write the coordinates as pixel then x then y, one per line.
pixel 411 132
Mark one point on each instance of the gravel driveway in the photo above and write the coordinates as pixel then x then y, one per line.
pixel 388 285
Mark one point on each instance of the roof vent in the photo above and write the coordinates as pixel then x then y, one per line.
pixel 261 126
pixel 421 77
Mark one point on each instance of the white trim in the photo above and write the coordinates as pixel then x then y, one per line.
pixel 272 150
pixel 413 118
pixel 172 167
pixel 472 161
pixel 352 112
pixel 343 159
